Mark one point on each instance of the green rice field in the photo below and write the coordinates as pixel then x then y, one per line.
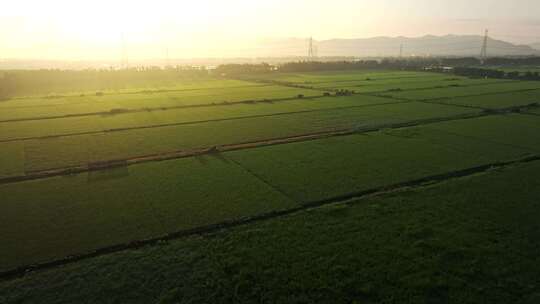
pixel 404 176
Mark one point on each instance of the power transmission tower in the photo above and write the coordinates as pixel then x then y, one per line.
pixel 483 53
pixel 311 50
pixel 401 50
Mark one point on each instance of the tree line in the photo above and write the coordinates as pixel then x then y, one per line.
pixel 45 82
pixel 493 73
pixel 465 66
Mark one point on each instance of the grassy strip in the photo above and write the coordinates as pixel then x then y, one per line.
pixel 468 240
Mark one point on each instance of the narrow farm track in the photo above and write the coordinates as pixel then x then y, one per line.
pixel 341 199
pixel 237 146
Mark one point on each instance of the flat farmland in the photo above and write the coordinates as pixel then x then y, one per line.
pixel 35 108
pixel 521 70
pixel 73 87
pixel 442 93
pixel 477 236
pixel 76 214
pixel 67 150
pixel 498 100
pixel 361 162
pixel 12 159
pixel 337 76
pixel 285 176
pixel 535 111
pixel 139 164
pixel 412 83
pixel 511 130
pixel 99 123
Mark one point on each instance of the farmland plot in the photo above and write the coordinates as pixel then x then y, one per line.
pixel 328 168
pixel 73 105
pixel 99 123
pixel 498 100
pixel 50 153
pixel 76 214
pixel 312 78
pixel 407 84
pixel 443 93
pixel 396 247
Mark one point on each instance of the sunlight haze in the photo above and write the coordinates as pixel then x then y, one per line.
pixel 88 30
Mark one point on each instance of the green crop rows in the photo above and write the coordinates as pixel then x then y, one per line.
pixel 114 103
pixel 471 240
pixel 305 172
pixel 58 152
pixel 440 93
pixel 420 125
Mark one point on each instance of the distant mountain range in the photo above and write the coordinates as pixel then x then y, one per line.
pixel 292 49
pixel 449 45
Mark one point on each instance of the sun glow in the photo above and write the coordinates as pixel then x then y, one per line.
pixel 79 29
pixel 147 27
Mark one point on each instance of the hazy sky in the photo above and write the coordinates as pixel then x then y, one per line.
pixel 72 29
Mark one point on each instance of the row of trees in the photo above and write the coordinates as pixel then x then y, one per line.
pixel 311 66
pixel 44 82
pixel 243 69
pixel 492 73
pixel 466 66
